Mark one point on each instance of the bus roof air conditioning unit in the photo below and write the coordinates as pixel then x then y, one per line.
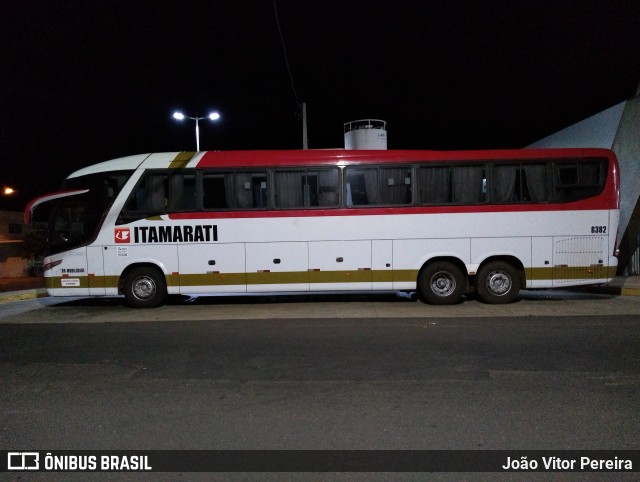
pixel 365 134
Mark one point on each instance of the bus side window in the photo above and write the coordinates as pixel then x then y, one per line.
pixel 159 193
pixel 326 186
pixel 434 185
pixel 156 193
pixel 535 183
pixel 310 188
pixel 290 189
pixel 259 190
pixel 217 191
pixel 395 185
pixel 234 190
pixel 578 180
pixel 250 190
pixel 505 185
pixel 361 186
pixel 182 192
pixel 468 184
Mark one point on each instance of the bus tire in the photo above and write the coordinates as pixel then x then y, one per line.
pixel 498 282
pixel 145 287
pixel 441 283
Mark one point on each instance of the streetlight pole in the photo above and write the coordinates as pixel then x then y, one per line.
pixel 214 116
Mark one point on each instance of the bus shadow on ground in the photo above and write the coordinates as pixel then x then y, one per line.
pixel 252 299
pixel 257 299
pixel 562 295
pixel 376 297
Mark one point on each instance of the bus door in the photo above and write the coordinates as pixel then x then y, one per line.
pixel 95 270
pixel 340 265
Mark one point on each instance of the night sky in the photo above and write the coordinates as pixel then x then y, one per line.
pixel 83 82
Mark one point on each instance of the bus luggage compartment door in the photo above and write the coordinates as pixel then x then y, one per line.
pixel 340 265
pixel 212 268
pixel 280 266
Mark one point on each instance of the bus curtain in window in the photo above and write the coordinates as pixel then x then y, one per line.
pixel 290 189
pixel 537 182
pixel 371 185
pixel 156 196
pixel 515 183
pixel 504 183
pixel 395 187
pixel 244 194
pixel 228 190
pixel 435 185
pixel 468 184
pixel 182 192
pixel 328 187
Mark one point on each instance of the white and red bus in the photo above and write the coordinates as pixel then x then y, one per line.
pixel 440 223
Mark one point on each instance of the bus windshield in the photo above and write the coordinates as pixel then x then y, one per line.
pixel 75 220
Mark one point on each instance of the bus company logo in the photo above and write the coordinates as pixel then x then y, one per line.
pixel 122 235
pixel 23 461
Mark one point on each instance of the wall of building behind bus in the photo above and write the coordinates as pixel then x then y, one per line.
pixel 12 264
pixel 365 134
pixel 616 128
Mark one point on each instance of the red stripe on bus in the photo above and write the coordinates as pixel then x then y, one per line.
pixel 300 158
pixel 386 211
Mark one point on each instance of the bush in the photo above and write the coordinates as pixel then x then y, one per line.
pixel 33 248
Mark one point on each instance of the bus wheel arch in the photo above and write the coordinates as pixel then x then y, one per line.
pixel 143 286
pixel 442 281
pixel 499 279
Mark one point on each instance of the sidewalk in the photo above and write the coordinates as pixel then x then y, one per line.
pixel 627 286
pixel 24 288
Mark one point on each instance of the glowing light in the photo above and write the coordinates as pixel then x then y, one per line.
pixel 8 191
pixel 214 116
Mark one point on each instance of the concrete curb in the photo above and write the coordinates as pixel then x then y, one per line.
pixel 630 291
pixel 12 296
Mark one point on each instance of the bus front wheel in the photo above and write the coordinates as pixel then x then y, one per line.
pixel 441 283
pixel 145 287
pixel 498 282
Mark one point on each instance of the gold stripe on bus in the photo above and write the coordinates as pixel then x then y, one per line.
pixel 570 272
pixel 355 276
pixel 382 276
pixel 213 279
pixel 110 281
pixel 181 160
pixel 277 278
pixel 315 277
pixel 406 275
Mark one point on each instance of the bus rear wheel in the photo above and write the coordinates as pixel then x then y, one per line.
pixel 441 283
pixel 498 282
pixel 145 287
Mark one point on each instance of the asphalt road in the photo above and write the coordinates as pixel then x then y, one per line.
pixel 553 371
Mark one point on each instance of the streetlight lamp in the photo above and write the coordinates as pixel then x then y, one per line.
pixel 214 116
